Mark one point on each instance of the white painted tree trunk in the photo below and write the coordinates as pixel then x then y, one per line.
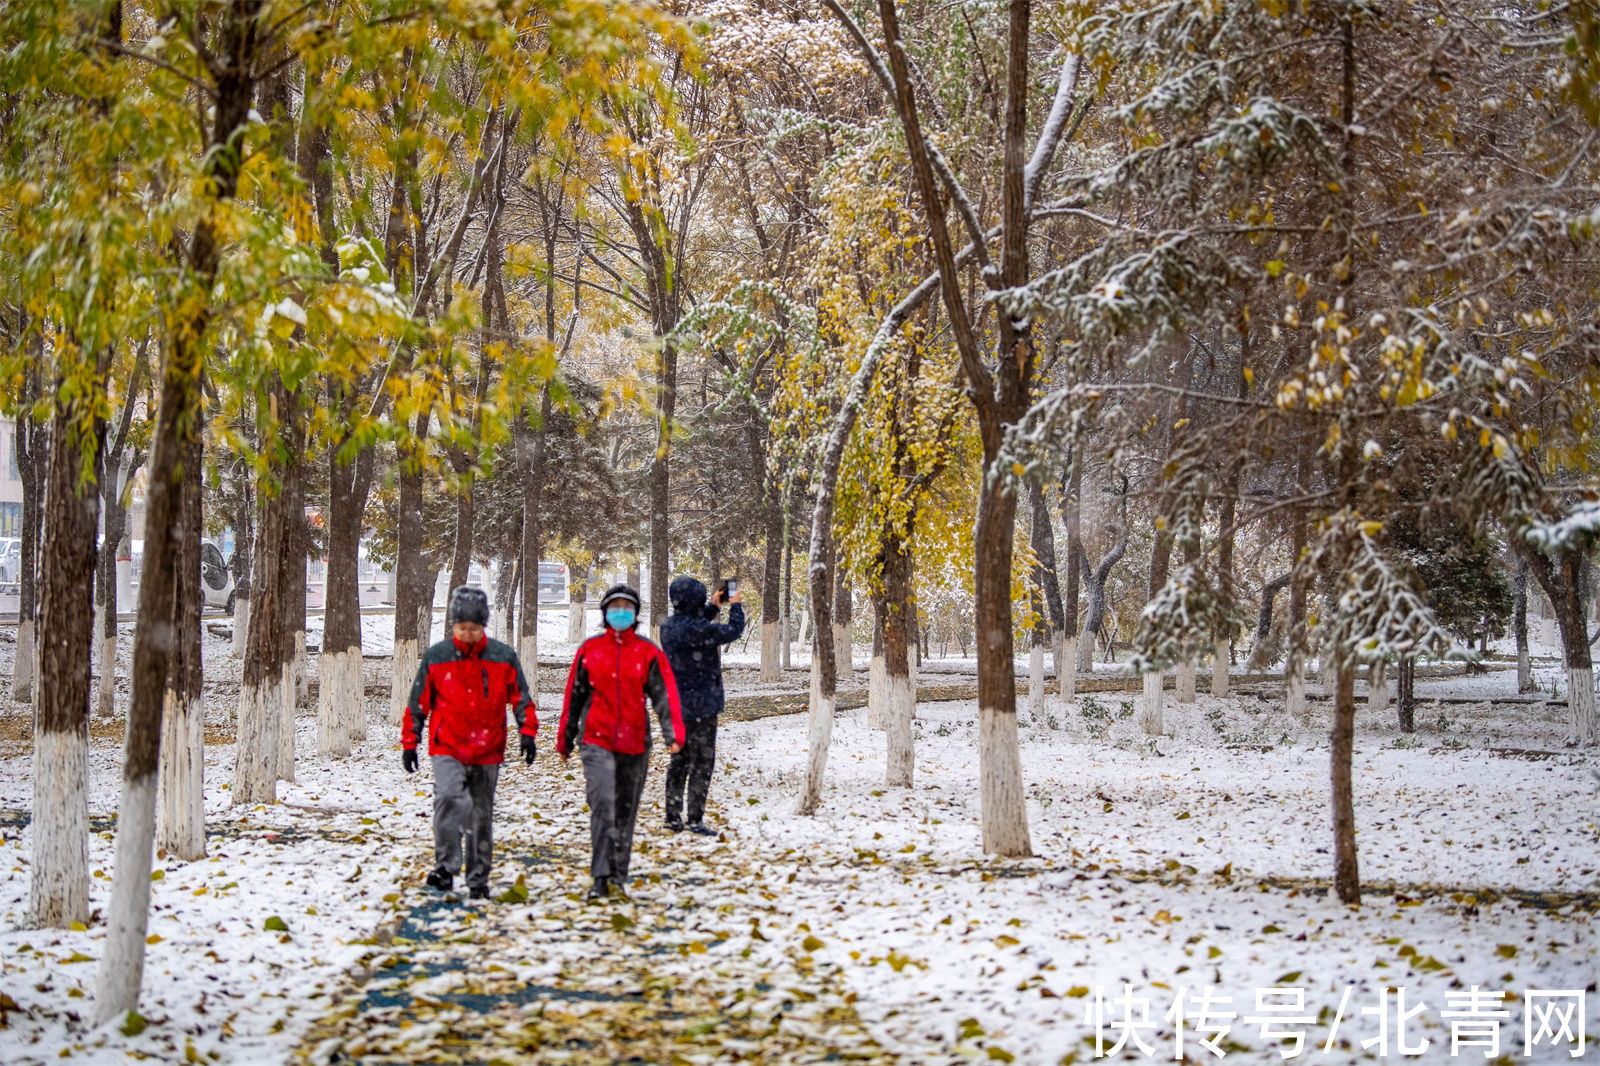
pixel 241 624
pixel 255 766
pixel 1219 669
pixel 786 641
pixel 96 628
pixel 899 712
pixel 805 628
pixel 1084 659
pixel 299 675
pixel 1187 681
pixel 107 700
pixel 181 798
pixel 1580 706
pixel 332 742
pixel 771 656
pixel 122 966
pixel 355 696
pixel 1005 809
pixel 819 734
pixel 877 692
pixel 1150 709
pixel 528 653
pixel 1378 687
pixel 59 885
pixel 1294 683
pixel 1036 694
pixel 843 668
pixel 125 580
pixel 575 623
pixel 288 705
pixel 405 672
pixel 1062 653
pixel 22 670
pixel 1525 682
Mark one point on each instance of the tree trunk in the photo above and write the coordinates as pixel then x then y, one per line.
pixel 33 448
pixel 461 554
pixel 1222 646
pixel 266 686
pixel 413 589
pixel 1346 875
pixel 1258 645
pixel 772 578
pixel 877 690
pixel 1378 686
pixel 116 533
pixel 341 696
pixel 841 620
pixel 1525 682
pixel 1067 644
pixel 661 479
pixel 177 426
pixel 530 446
pixel 60 874
pixel 180 790
pixel 243 537
pixel 785 617
pixel 1405 696
pixel 292 603
pixel 900 693
pixel 1051 623
pixel 1151 717
pixel 579 603
pixel 1294 671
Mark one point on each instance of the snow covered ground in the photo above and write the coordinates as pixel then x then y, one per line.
pixel 1192 863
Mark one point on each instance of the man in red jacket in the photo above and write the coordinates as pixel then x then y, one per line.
pixel 465 682
pixel 611 677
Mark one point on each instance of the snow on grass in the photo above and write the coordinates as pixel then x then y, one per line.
pixel 1190 861
pixel 1152 854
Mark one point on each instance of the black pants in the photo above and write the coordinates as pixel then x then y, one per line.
pixel 693 764
pixel 613 784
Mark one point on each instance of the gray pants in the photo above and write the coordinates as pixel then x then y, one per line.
pixel 463 806
pixel 614 784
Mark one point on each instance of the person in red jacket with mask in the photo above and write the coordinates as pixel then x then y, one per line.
pixel 611 677
pixel 465 683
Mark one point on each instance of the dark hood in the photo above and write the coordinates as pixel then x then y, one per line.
pixel 688 595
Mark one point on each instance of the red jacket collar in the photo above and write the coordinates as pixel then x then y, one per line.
pixel 471 651
pixel 624 636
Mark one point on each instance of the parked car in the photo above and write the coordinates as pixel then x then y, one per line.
pixel 216 577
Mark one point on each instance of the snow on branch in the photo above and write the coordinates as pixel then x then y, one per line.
pixel 1578 531
pixel 1379 614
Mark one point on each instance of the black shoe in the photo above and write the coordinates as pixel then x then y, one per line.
pixel 441 880
pixel 703 829
pixel 618 892
pixel 675 824
pixel 599 890
pixel 478 892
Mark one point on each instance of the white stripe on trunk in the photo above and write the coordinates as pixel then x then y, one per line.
pixel 122 966
pixel 819 734
pixel 771 666
pixel 1187 671
pixel 108 677
pixel 1219 669
pixel 181 813
pixel 900 698
pixel 22 668
pixel 405 671
pixel 1150 707
pixel 59 886
pixel 1005 809
pixel 1580 706
pixel 1062 654
pixel 256 745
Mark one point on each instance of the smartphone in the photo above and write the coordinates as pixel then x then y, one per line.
pixel 729 587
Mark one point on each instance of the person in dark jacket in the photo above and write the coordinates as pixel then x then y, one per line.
pixel 611 677
pixel 465 682
pixel 693 640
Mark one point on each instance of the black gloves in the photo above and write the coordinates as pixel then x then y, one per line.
pixel 528 750
pixel 408 759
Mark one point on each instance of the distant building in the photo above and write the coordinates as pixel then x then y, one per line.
pixel 10 482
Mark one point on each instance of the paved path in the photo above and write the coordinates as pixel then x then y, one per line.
pixel 681 973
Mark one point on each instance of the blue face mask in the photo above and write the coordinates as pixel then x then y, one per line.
pixel 620 618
